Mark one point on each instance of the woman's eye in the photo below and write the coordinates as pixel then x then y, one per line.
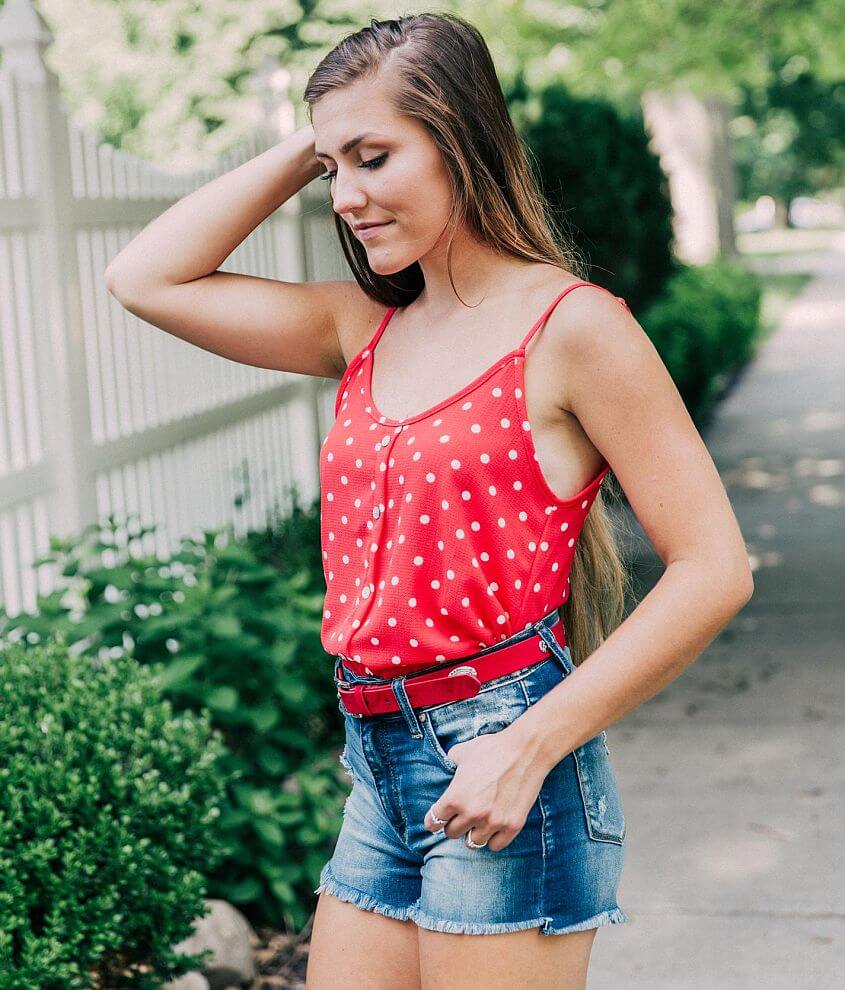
pixel 372 163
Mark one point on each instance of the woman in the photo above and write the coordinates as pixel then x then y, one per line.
pixel 486 388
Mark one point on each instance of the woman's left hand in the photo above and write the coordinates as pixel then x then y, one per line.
pixel 492 791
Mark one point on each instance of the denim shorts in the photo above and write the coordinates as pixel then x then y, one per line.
pixel 561 871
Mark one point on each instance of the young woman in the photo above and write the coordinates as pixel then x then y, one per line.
pixel 474 590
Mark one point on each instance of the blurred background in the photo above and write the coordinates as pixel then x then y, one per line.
pixel 159 505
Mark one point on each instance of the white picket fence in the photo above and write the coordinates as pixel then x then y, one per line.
pixel 100 412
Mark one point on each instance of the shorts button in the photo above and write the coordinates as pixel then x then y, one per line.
pixel 544 646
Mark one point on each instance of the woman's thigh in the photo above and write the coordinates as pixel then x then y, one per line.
pixel 354 948
pixel 525 959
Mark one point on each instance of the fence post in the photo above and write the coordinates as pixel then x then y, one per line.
pixel 59 346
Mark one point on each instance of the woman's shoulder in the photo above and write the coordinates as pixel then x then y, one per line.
pixel 359 316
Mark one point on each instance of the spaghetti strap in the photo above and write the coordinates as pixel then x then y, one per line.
pixel 382 327
pixel 541 321
pixel 356 361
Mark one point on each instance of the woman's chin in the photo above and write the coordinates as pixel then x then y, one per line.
pixel 385 266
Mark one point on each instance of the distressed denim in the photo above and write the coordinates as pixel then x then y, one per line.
pixel 561 871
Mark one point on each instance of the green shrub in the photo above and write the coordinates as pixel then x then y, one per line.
pixel 235 625
pixel 705 327
pixel 605 183
pixel 108 811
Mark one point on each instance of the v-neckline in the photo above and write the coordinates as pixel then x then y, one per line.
pixel 516 352
pixel 479 379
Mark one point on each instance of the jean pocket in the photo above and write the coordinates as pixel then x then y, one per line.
pixel 603 811
pixel 459 721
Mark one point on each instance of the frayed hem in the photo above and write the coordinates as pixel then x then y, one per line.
pixel 351 895
pixel 472 928
pixel 616 916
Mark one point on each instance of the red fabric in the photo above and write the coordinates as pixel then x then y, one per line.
pixel 440 535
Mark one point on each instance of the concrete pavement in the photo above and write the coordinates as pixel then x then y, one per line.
pixel 732 777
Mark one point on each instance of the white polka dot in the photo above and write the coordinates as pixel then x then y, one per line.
pixel 475 428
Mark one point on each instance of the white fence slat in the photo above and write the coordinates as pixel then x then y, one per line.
pixel 100 412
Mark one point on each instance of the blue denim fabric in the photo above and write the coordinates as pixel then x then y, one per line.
pixel 561 871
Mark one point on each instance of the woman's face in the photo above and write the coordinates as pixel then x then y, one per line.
pixel 395 174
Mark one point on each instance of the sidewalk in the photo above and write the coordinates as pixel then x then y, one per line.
pixel 732 777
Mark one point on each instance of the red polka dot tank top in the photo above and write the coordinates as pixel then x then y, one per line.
pixel 440 535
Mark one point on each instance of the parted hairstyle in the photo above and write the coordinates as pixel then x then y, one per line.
pixel 426 60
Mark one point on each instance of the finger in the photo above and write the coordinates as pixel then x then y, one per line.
pixel 498 840
pixel 480 834
pixel 429 821
pixel 458 826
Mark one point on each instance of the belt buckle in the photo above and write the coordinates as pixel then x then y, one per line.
pixel 349 687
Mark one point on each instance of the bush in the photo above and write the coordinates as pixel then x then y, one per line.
pixel 235 626
pixel 108 804
pixel 705 327
pixel 601 179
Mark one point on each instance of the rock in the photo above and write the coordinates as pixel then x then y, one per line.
pixel 228 934
pixel 190 981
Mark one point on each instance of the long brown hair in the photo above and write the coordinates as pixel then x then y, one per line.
pixel 426 59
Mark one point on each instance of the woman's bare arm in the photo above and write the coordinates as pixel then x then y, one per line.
pixel 167 275
pixel 613 380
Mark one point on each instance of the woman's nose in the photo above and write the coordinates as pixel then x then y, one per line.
pixel 347 196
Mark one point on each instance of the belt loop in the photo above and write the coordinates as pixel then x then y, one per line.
pixel 558 654
pixel 401 694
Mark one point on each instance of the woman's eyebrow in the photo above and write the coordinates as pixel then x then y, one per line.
pixel 350 144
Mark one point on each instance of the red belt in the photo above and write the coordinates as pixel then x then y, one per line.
pixel 450 684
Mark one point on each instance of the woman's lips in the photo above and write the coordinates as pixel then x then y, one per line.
pixel 369 232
